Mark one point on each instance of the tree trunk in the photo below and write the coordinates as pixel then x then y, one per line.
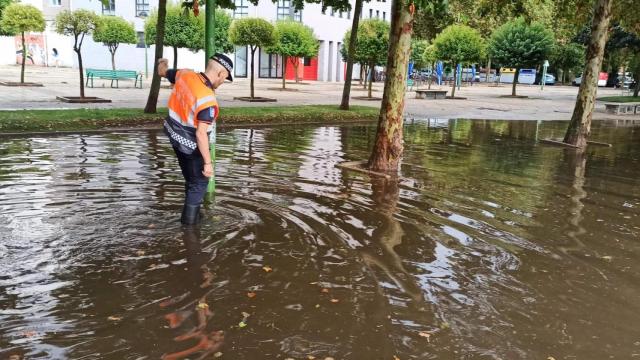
pixel 24 58
pixel 296 64
pixel 346 90
pixel 455 79
pixel 371 82
pixel 515 82
pixel 113 59
pixel 488 70
pixel 366 78
pixel 387 149
pixel 433 68
pixel 253 51
pixel 580 125
pixel 175 57
pixel 637 89
pixel 81 72
pixel 361 74
pixel 154 91
pixel 284 69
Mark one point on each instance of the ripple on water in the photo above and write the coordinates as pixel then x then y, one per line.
pixel 488 246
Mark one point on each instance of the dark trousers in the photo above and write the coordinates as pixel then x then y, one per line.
pixel 195 183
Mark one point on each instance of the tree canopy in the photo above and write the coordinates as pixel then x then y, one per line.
pixel 293 39
pixel 372 42
pixel 254 32
pixel 568 57
pixel 76 23
pixel 20 18
pixel 518 44
pixel 459 44
pixel 418 48
pixel 113 31
pixel 182 30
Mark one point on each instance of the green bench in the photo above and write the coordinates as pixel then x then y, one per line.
pixel 114 75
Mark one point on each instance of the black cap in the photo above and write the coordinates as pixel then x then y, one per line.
pixel 225 62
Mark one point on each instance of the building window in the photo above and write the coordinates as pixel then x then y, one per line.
pixel 141 43
pixel 110 8
pixel 377 14
pixel 384 15
pixel 55 2
pixel 240 65
pixel 285 11
pixel 340 14
pixel 270 65
pixel 142 8
pixel 307 61
pixel 370 13
pixel 242 9
pixel 333 12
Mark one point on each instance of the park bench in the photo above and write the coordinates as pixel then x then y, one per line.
pixel 114 75
pixel 623 108
pixel 431 94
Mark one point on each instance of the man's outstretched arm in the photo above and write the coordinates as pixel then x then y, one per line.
pixel 164 71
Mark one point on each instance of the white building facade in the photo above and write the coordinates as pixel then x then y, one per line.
pixel 52 49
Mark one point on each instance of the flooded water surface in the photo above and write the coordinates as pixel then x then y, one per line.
pixel 489 245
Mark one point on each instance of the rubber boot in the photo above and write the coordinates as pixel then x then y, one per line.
pixel 190 214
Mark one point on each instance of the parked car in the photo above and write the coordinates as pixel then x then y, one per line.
pixel 627 82
pixel 602 79
pixel 549 80
pixel 577 81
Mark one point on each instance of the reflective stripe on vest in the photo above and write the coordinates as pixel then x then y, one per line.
pixel 189 96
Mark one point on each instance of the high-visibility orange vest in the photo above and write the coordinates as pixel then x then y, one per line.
pixel 190 95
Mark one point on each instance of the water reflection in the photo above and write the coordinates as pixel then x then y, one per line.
pixel 487 246
pixel 190 317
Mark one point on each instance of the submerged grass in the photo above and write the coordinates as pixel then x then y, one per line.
pixel 96 119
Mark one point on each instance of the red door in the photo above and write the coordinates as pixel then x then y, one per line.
pixel 311 71
pixel 305 72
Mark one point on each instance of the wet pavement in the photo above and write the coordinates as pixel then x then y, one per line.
pixel 488 246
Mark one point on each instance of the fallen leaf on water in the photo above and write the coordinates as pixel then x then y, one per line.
pixel 245 314
pixel 114 318
pixel 425 334
pixel 608 258
pixel 242 324
pixel 251 295
pixel 151 226
pixel 335 300
pixel 395 357
pixel 267 269
pixel 140 252
pixel 551 358
pixel 310 357
pixel 328 358
pixel 217 355
pixel 317 306
pixel 203 306
pixel 325 290
pixel 29 333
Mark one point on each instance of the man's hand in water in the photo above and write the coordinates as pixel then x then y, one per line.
pixel 163 66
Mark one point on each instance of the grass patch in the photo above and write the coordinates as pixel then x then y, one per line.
pixel 620 99
pixel 95 119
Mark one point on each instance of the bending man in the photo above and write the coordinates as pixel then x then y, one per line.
pixel 192 110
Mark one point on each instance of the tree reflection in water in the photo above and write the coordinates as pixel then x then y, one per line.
pixel 385 194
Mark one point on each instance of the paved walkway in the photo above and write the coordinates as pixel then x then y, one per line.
pixel 483 102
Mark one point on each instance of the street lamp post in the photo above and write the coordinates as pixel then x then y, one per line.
pixel 210 49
